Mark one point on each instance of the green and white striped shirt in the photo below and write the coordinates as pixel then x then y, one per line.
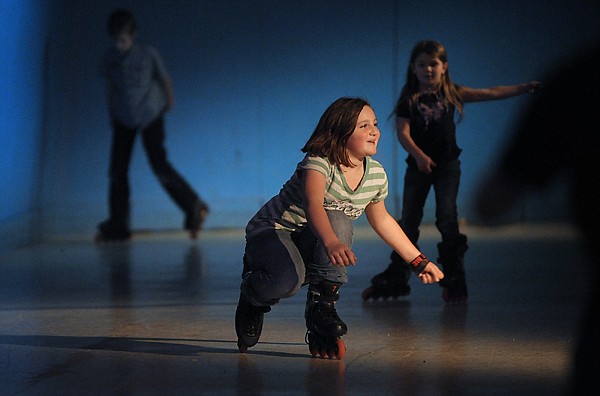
pixel 285 211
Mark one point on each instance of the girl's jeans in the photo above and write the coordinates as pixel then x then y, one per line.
pixel 445 180
pixel 277 263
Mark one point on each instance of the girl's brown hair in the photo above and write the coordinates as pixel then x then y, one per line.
pixel 410 90
pixel 334 129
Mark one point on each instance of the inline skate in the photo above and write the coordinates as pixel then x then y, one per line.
pixel 195 219
pixel 248 323
pixel 393 282
pixel 112 231
pixel 452 260
pixel 324 326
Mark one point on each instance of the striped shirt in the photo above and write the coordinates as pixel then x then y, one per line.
pixel 285 211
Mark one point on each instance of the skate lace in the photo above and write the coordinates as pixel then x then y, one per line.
pixel 253 325
pixel 328 315
pixel 254 319
pixel 325 312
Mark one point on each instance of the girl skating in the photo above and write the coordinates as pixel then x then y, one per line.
pixel 303 235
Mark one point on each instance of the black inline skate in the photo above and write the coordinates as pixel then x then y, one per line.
pixel 195 219
pixel 455 289
pixel 324 326
pixel 112 231
pixel 393 282
pixel 248 323
pixel 452 260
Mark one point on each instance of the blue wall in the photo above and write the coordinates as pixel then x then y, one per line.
pixel 23 27
pixel 251 79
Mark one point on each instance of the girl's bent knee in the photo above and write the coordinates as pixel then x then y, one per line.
pixel 342 226
pixel 285 289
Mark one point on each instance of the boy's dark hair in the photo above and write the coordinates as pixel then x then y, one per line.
pixel 119 21
pixel 335 127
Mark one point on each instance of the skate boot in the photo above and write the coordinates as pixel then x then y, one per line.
pixel 112 231
pixel 452 260
pixel 393 282
pixel 455 289
pixel 248 323
pixel 324 326
pixel 195 219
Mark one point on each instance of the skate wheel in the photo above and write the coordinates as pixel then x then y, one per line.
pixel 243 348
pixel 453 296
pixel 366 293
pixel 369 292
pixel 102 240
pixel 341 349
pixel 314 352
pixel 322 353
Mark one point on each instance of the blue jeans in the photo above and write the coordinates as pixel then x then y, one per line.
pixel 277 263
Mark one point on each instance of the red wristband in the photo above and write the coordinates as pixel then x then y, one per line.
pixel 419 263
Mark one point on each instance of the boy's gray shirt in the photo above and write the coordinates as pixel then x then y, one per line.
pixel 137 96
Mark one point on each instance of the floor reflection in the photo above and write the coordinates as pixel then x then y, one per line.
pixel 156 316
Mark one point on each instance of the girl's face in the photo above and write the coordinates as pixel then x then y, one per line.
pixel 364 139
pixel 429 71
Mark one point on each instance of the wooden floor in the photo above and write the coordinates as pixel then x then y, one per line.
pixel 155 316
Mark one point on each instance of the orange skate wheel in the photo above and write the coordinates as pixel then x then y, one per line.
pixel 341 349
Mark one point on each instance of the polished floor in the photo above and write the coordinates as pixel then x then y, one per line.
pixel 155 316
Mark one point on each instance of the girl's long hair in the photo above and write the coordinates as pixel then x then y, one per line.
pixel 410 90
pixel 335 126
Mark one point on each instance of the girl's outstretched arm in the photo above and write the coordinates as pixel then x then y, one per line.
pixel 314 193
pixel 388 229
pixel 499 92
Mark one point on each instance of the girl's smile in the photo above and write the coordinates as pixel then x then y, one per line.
pixel 364 139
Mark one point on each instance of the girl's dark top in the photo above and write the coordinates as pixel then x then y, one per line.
pixel 432 127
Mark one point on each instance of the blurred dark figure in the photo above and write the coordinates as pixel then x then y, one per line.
pixel 139 93
pixel 560 133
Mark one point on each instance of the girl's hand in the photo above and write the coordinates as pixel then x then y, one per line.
pixel 533 87
pixel 340 254
pixel 431 273
pixel 425 164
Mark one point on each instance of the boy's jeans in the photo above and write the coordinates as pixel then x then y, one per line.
pixel 153 137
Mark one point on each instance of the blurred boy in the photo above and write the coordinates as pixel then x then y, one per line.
pixel 139 92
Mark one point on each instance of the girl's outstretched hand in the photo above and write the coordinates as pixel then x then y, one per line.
pixel 533 86
pixel 431 273
pixel 340 254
